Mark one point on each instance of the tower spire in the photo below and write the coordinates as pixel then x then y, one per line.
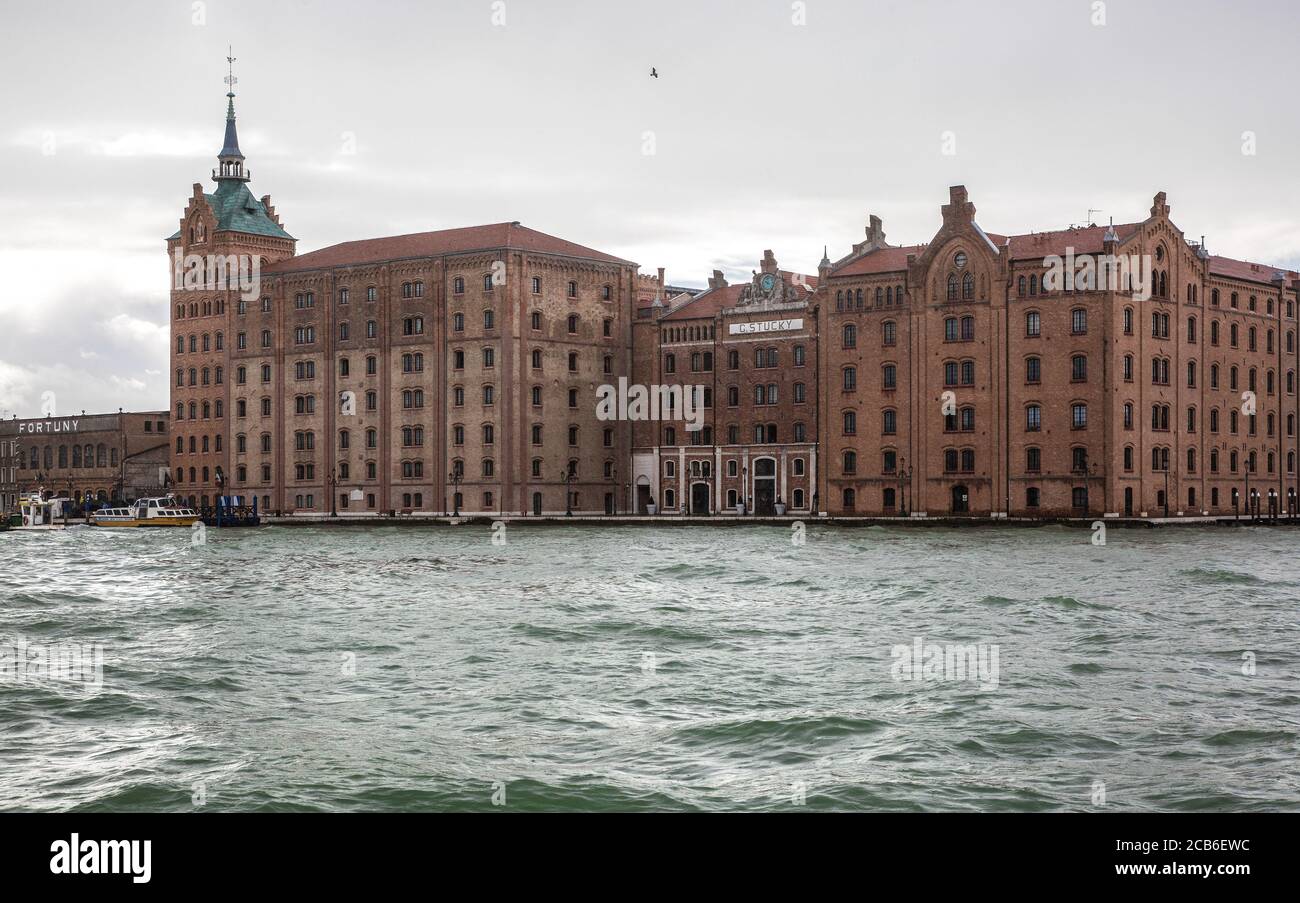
pixel 230 160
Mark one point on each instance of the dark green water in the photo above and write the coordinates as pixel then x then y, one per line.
pixel 638 669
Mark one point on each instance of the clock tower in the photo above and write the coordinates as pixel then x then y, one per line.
pixel 221 313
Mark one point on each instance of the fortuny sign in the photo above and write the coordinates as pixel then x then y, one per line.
pixel 764 326
pixel 48 426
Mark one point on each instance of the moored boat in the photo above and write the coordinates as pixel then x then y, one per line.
pixel 152 512
pixel 36 513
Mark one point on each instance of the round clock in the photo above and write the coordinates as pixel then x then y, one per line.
pixel 767 282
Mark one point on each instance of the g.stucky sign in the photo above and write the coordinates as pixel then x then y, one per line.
pixel 764 326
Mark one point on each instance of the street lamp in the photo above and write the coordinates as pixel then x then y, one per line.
pixel 904 474
pixel 1245 467
pixel 334 495
pixel 454 479
pixel 1166 491
pixel 569 478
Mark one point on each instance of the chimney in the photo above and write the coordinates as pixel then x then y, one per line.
pixel 1158 205
pixel 875 232
pixel 959 210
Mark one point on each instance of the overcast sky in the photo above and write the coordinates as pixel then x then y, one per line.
pixel 760 133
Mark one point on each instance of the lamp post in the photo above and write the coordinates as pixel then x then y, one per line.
pixel 1166 491
pixel 334 495
pixel 614 472
pixel 904 475
pixel 1245 468
pixel 569 478
pixel 744 487
pixel 454 479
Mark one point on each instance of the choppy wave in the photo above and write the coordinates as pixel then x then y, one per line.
pixel 626 669
pixel 1220 576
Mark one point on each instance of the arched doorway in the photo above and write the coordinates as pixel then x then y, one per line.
pixel 960 500
pixel 699 498
pixel 642 494
pixel 537 503
pixel 1128 501
pixel 765 486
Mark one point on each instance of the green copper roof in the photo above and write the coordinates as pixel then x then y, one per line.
pixel 238 211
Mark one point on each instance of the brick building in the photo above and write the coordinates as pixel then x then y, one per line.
pixel 751 351
pixel 109 457
pixel 462 369
pixel 445 370
pixel 10 488
pixel 956 383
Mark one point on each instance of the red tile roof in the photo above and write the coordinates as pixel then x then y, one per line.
pixel 1084 240
pixel 712 302
pixel 882 260
pixel 1031 246
pixel 708 304
pixel 432 244
pixel 1242 269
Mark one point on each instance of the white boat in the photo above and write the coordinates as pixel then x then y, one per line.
pixel 40 514
pixel 154 512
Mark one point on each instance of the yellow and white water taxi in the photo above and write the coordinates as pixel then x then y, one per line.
pixel 155 512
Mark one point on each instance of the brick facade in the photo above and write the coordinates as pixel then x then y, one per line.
pixel 752 350
pixel 110 457
pixel 1072 401
pixel 461 369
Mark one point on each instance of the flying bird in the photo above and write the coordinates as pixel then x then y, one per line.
pixel 654 73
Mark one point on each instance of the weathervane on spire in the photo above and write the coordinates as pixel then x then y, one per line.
pixel 230 79
pixel 230 159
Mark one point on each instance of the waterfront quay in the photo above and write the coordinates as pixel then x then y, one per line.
pixel 661 520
